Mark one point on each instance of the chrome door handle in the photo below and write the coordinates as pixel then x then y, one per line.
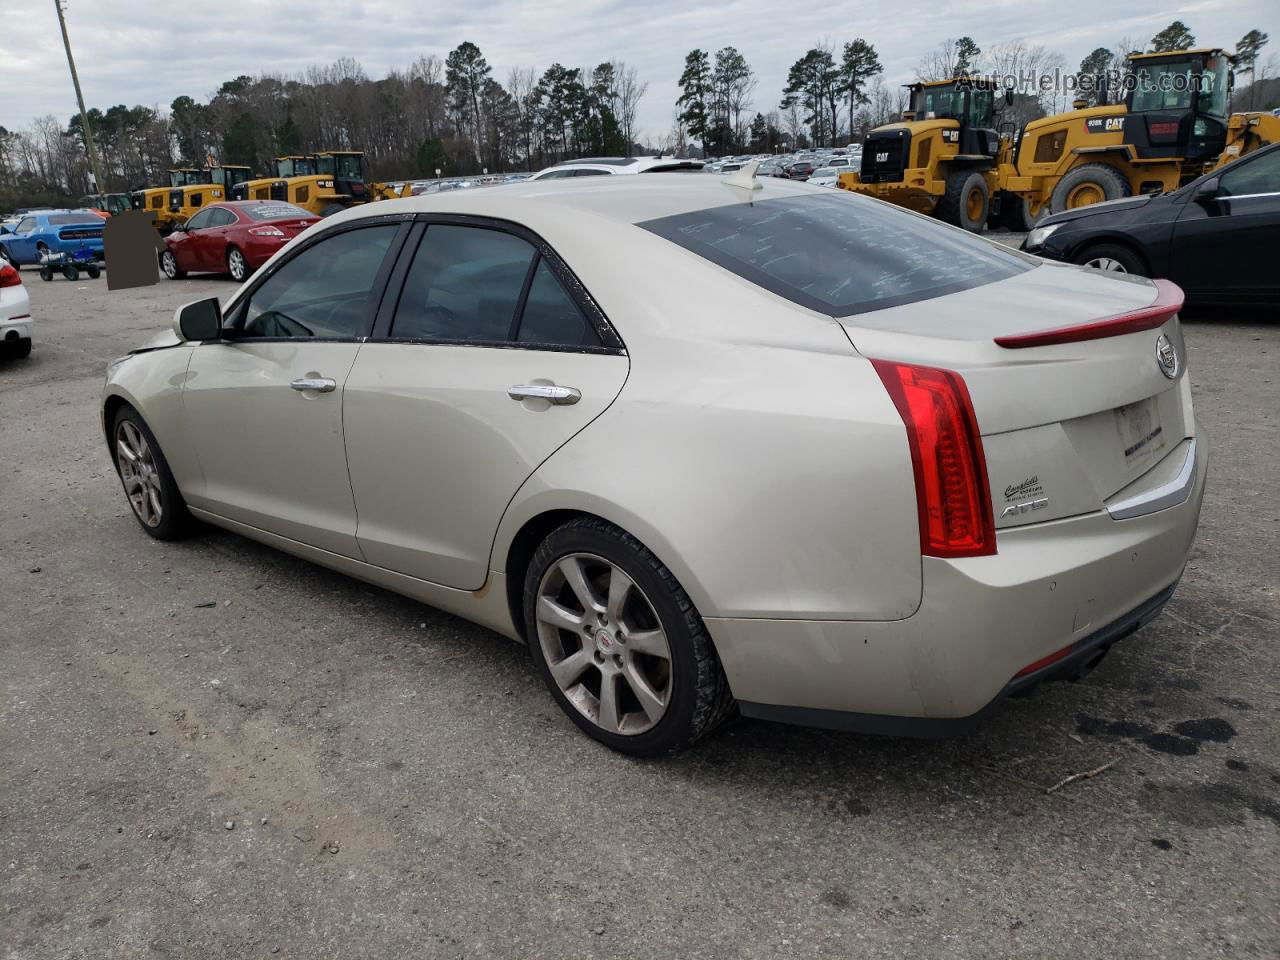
pixel 545 391
pixel 318 384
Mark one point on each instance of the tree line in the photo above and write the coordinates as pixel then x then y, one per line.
pixel 449 115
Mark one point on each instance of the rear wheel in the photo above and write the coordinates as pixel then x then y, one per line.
pixel 237 265
pixel 17 349
pixel 169 264
pixel 1089 184
pixel 148 483
pixel 1111 258
pixel 619 643
pixel 967 201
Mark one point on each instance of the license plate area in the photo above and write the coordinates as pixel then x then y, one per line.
pixel 1142 436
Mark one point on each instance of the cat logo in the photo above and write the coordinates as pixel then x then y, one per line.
pixel 1104 125
pixel 882 157
pixel 951 136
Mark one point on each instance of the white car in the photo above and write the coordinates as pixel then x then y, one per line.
pixel 697 441
pixel 827 176
pixel 15 313
pixel 602 166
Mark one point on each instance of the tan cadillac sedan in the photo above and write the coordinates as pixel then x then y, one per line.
pixel 704 445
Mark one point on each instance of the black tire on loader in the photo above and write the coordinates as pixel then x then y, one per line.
pixel 1088 184
pixel 1015 212
pixel 966 202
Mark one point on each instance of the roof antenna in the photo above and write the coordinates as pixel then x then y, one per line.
pixel 745 177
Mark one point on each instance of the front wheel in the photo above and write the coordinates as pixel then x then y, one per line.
pixel 169 266
pixel 237 266
pixel 619 643
pixel 1111 258
pixel 148 483
pixel 967 201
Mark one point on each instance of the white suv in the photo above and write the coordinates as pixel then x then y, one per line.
pixel 596 166
pixel 15 313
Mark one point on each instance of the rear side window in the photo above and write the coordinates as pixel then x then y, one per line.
pixel 839 255
pixel 550 315
pixel 464 284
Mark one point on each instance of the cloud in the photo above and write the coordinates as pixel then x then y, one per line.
pixel 149 53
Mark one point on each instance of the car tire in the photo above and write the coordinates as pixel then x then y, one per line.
pixel 966 202
pixel 4 255
pixel 152 493
pixel 1088 184
pixel 237 265
pixel 633 596
pixel 16 349
pixel 169 266
pixel 1112 258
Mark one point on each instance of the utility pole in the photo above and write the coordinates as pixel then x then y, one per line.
pixel 100 184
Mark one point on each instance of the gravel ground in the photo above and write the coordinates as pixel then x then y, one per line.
pixel 210 749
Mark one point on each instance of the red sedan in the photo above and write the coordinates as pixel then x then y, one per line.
pixel 235 237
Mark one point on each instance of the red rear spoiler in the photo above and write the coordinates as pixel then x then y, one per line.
pixel 1167 303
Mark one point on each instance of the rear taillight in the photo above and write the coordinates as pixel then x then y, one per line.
pixel 266 231
pixel 9 276
pixel 952 492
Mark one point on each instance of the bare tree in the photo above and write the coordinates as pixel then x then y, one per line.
pixel 630 89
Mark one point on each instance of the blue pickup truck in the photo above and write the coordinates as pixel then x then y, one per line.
pixel 69 232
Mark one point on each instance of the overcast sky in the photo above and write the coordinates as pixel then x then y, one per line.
pixel 143 52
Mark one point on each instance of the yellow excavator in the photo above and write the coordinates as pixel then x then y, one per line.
pixel 1172 125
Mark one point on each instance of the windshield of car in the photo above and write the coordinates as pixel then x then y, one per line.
pixel 824 172
pixel 275 211
pixel 839 255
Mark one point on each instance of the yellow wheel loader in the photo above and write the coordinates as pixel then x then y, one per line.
pixel 325 183
pixel 202 187
pixel 941 158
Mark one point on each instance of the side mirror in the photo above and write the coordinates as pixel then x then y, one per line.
pixel 198 321
pixel 1206 191
pixel 180 227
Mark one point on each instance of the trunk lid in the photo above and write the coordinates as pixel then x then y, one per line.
pixel 1064 426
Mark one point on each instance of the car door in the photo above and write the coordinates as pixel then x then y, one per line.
pixel 213 245
pixel 185 243
pixel 446 411
pixel 1224 246
pixel 264 405
pixel 21 244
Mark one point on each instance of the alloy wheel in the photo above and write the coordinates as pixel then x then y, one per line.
pixel 1107 264
pixel 139 474
pixel 236 264
pixel 604 644
pixel 169 265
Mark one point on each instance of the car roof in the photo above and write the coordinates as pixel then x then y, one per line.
pixel 620 199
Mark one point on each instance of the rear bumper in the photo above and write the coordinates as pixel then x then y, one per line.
pixel 1080 583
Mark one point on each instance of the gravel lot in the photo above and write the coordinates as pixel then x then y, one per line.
pixel 213 750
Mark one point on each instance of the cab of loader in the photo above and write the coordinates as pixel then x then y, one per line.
pixel 971 103
pixel 345 169
pixel 187 176
pixel 1177 104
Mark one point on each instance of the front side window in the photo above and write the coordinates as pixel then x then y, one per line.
pixel 324 291
pixel 1164 86
pixel 1260 175
pixel 464 284
pixel 839 255
pixel 200 221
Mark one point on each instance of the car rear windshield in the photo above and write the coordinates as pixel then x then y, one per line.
pixel 275 211
pixel 63 219
pixel 839 255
